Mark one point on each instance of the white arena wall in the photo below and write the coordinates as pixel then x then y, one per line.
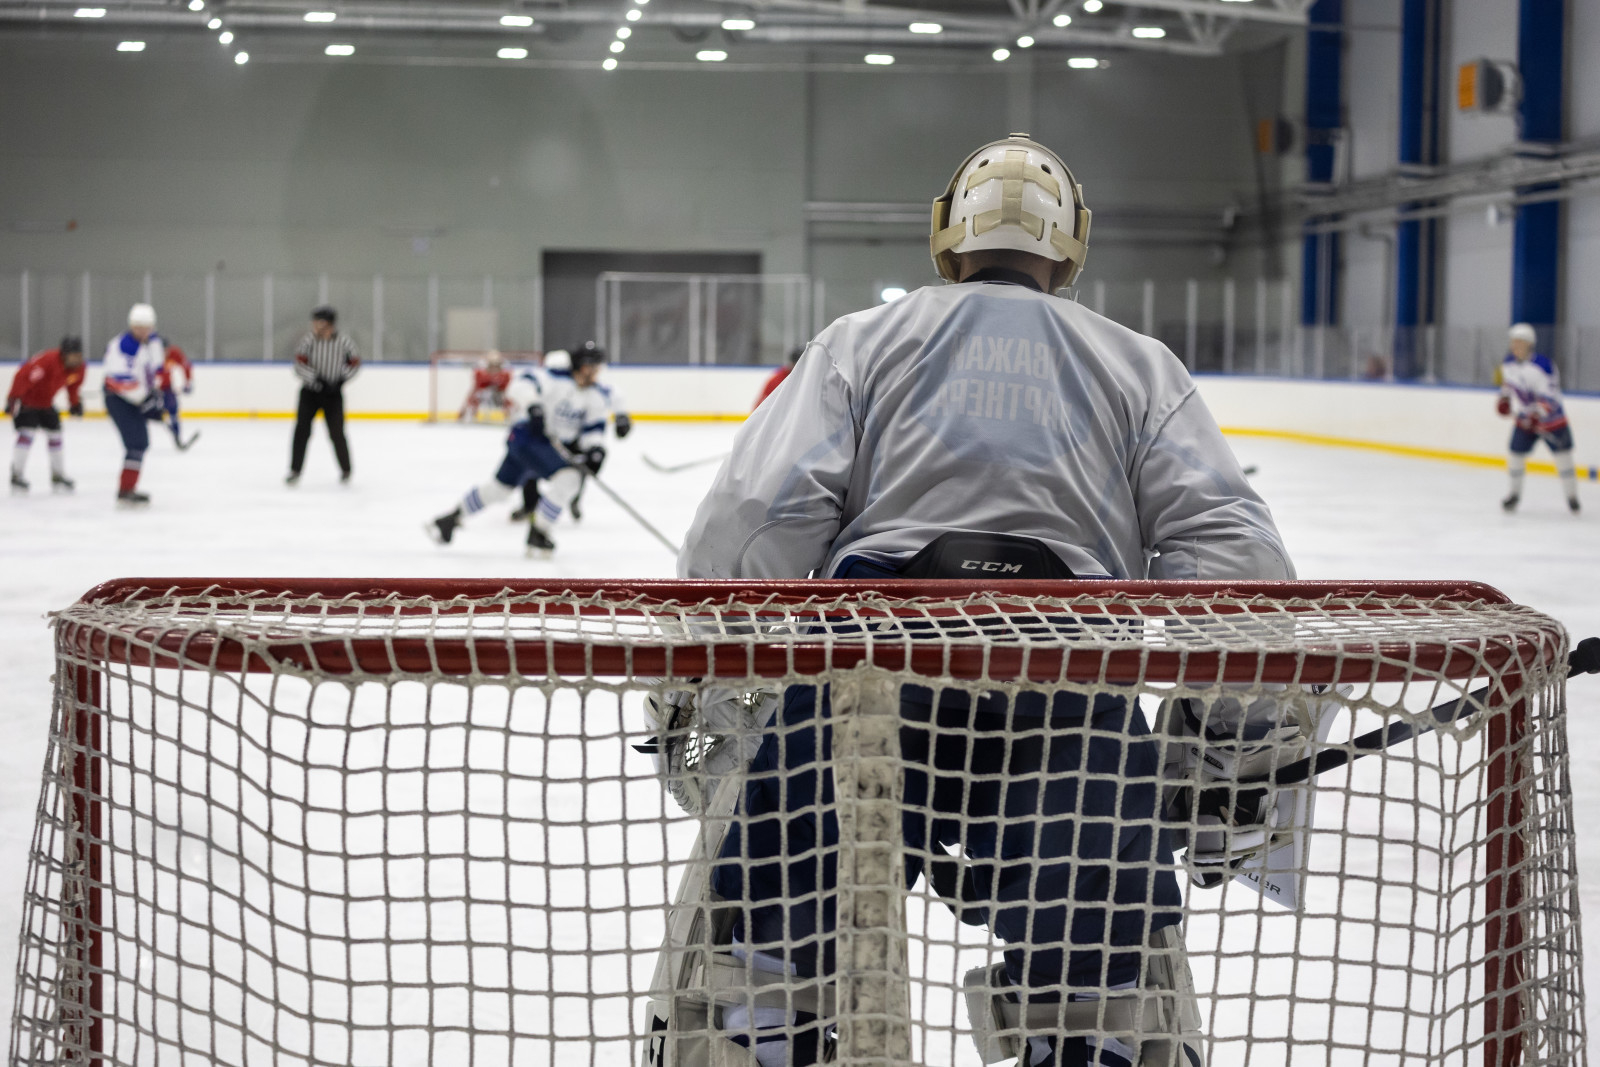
pixel 1438 422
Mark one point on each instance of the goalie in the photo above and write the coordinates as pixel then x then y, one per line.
pixel 985 421
pixel 490 380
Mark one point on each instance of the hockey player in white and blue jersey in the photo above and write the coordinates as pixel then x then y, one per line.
pixel 1530 392
pixel 133 364
pixel 558 433
pixel 559 362
pixel 983 425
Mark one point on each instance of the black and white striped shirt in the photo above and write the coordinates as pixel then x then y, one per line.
pixel 330 362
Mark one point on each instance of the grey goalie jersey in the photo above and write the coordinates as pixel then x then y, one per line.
pixel 984 407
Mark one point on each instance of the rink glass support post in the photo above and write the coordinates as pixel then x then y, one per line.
pixel 874 993
pixel 1506 964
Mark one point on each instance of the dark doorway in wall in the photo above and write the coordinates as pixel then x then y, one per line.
pixel 657 327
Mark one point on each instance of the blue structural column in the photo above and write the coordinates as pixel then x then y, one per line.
pixel 1416 240
pixel 1319 256
pixel 1536 246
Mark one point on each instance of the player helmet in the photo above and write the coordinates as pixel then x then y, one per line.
pixel 1012 194
pixel 588 354
pixel 1522 331
pixel 70 344
pixel 142 315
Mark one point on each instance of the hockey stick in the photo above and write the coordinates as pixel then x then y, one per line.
pixel 612 493
pixel 1228 800
pixel 676 467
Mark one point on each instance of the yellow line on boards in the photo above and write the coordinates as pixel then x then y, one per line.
pixel 1476 459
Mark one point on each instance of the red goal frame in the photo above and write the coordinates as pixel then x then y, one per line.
pixel 468 357
pixel 1506 851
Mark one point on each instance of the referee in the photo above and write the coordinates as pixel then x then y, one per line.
pixel 324 359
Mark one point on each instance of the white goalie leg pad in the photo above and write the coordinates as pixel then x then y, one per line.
pixel 705 986
pixel 1160 1018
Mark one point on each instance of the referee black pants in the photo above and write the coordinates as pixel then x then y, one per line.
pixel 330 401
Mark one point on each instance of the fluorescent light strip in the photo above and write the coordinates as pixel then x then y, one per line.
pixel 321 16
pixel 1083 63
pixel 339 50
pixel 89 13
pixel 131 46
pixel 1149 33
pixel 516 20
pixel 738 24
pixel 711 55
pixel 879 59
pixel 925 27
pixel 512 53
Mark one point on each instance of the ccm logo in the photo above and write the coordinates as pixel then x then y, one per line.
pixel 990 565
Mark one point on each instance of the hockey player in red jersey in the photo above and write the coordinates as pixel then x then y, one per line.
pixel 778 377
pixel 176 363
pixel 31 405
pixel 489 381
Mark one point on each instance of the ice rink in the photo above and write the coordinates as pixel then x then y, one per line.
pixel 222 509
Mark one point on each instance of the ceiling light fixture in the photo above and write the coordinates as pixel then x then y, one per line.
pixel 321 16
pixel 241 58
pixel 516 20
pixel 214 24
pixel 131 46
pixel 225 37
pixel 1024 41
pixel 890 293
pixel 738 24
pixel 609 64
pixel 1002 54
pixel 512 53
pixel 1149 33
pixel 1083 63
pixel 197 5
pixel 617 46
pixel 1092 6
pixel 89 13
pixel 634 14
pixel 339 50
pixel 926 27
pixel 879 59
pixel 711 55
pixel 1062 19
pixel 623 33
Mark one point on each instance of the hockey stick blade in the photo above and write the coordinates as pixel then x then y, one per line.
pixel 674 468
pixel 1224 800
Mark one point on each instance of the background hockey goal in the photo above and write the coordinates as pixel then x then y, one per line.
pixel 341 822
pixel 450 377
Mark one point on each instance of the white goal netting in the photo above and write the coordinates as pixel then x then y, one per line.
pixel 422 823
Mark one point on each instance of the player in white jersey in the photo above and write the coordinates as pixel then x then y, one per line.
pixel 134 363
pixel 558 433
pixel 1530 392
pixel 980 426
pixel 558 362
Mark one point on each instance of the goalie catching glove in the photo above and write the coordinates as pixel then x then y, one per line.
pixel 1226 823
pixel 704 735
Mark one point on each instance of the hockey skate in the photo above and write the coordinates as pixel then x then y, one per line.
pixel 132 498
pixel 1510 503
pixel 60 483
pixel 344 477
pixel 19 484
pixel 1573 505
pixel 521 515
pixel 293 479
pixel 539 544
pixel 443 528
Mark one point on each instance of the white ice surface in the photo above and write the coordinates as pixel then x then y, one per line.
pixel 221 509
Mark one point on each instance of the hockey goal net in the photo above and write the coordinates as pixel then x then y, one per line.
pixel 353 822
pixel 450 380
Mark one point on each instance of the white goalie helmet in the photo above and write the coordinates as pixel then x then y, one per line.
pixel 1012 194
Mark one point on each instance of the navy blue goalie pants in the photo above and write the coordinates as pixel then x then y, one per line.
pixel 1053 813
